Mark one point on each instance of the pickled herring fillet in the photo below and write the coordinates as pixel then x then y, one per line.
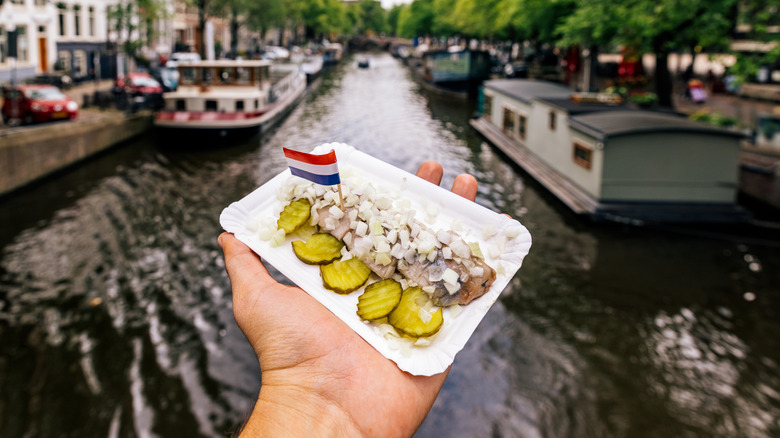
pixel 474 276
pixel 339 227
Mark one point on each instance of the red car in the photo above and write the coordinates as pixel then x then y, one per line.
pixel 141 89
pixel 36 103
pixel 139 84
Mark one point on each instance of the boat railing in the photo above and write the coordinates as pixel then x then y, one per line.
pixel 288 81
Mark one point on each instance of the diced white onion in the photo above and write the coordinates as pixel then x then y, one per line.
pixel 383 258
pixel 449 276
pixel 277 238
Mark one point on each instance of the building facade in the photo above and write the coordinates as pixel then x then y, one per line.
pixel 28 36
pixel 81 34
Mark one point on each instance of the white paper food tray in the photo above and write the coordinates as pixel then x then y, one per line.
pixel 458 326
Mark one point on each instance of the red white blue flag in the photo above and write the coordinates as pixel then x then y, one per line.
pixel 320 169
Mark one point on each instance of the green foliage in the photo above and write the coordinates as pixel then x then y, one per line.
pixel 713 118
pixel 123 18
pixel 643 98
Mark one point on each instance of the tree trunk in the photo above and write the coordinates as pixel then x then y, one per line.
pixel 663 79
pixel 202 27
pixel 234 25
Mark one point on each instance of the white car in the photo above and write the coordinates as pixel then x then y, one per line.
pixel 178 57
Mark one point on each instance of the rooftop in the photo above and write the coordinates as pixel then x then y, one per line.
pixel 527 90
pixel 602 125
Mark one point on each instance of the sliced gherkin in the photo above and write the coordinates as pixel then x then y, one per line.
pixel 319 249
pixel 379 299
pixel 406 318
pixel 346 276
pixel 294 215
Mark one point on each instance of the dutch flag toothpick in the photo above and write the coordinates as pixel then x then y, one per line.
pixel 319 169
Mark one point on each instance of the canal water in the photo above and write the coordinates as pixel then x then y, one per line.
pixel 115 315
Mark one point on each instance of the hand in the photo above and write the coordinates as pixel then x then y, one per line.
pixel 319 378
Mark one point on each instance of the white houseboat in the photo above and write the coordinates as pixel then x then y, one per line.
pixel 229 97
pixel 609 161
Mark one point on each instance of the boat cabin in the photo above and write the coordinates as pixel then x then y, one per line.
pixel 608 160
pixel 221 86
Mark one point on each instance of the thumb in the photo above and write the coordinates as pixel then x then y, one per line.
pixel 244 267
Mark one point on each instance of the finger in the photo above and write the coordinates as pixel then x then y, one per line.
pixel 243 266
pixel 430 171
pixel 465 185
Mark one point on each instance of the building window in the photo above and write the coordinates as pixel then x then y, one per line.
pixel 21 44
pixel 80 62
pixel 211 105
pixel 91 23
pixel 509 122
pixel 63 61
pixel 77 20
pixel 3 45
pixel 552 120
pixel 487 105
pixel 583 155
pixel 522 121
pixel 61 8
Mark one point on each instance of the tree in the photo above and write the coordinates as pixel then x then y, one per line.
pixel 650 26
pixel 416 19
pixel 131 21
pixel 263 15
pixel 757 21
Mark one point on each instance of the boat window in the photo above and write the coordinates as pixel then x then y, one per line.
pixel 583 155
pixel 509 122
pixel 257 104
pixel 239 105
pixel 181 105
pixel 552 120
pixel 227 75
pixel 211 105
pixel 521 124
pixel 243 75
pixel 187 76
pixel 487 105
pixel 208 75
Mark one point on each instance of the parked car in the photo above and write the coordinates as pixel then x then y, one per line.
pixel 139 89
pixel 27 104
pixel 184 57
pixel 167 77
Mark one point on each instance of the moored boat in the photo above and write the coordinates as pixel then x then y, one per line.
pixel 312 67
pixel 455 72
pixel 608 161
pixel 231 96
pixel 332 53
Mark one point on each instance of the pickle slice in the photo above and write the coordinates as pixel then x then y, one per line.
pixel 345 276
pixel 294 215
pixel 318 249
pixel 406 317
pixel 379 299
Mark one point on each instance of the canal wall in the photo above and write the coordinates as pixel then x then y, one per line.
pixel 30 153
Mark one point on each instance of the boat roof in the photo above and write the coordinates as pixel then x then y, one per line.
pixel 574 108
pixel 527 90
pixel 225 63
pixel 606 124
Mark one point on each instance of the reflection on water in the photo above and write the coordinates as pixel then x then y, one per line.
pixel 115 315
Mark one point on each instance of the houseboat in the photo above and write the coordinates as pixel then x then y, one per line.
pixel 230 97
pixel 332 53
pixel 609 161
pixel 312 67
pixel 455 72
